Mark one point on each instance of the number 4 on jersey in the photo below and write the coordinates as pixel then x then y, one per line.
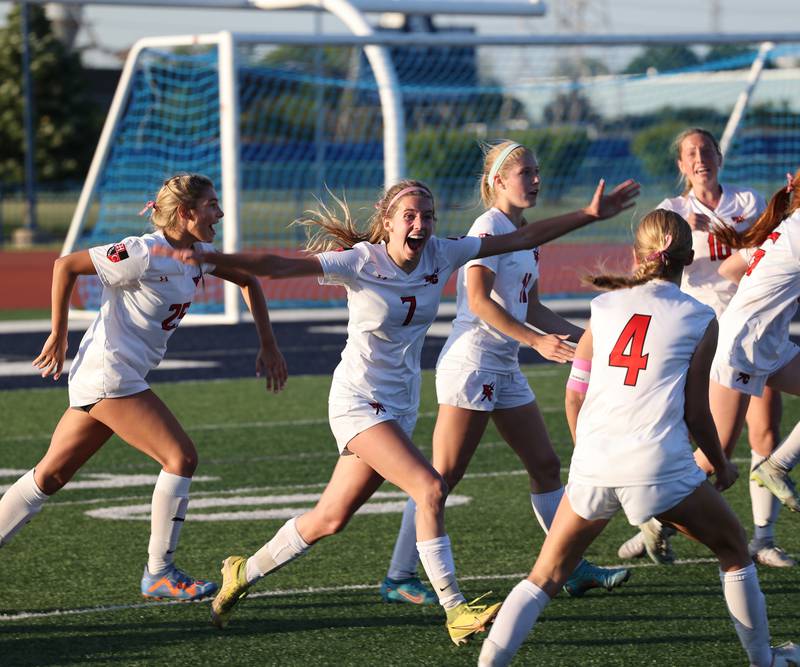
pixel 632 340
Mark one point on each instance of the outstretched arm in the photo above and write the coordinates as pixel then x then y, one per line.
pixel 269 360
pixel 258 263
pixel 535 234
pixel 65 272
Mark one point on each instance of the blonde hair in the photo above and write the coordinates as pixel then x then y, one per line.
pixel 181 190
pixel 332 230
pixel 676 151
pixel 782 204
pixel 654 256
pixel 490 153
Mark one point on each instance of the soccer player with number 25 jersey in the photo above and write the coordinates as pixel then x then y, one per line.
pixel 145 296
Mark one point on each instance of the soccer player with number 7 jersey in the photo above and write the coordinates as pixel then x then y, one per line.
pixel 145 296
pixel 637 390
pixel 394 274
pixel 478 376
pixel 754 349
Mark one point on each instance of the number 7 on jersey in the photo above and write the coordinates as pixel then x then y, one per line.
pixel 632 339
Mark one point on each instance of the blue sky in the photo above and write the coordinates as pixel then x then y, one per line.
pixel 118 27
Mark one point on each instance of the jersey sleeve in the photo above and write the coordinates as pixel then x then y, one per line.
pixel 341 267
pixel 121 263
pixel 485 226
pixel 459 251
pixel 667 205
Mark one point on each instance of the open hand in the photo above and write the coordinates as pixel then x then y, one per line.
pixel 620 198
pixel 271 364
pixel 554 348
pixel 51 359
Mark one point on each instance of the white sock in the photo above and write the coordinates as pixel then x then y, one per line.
pixel 437 559
pixel 516 619
pixel 787 454
pixel 286 545
pixel 405 555
pixel 765 507
pixel 20 503
pixel 167 514
pixel 545 506
pixel 748 612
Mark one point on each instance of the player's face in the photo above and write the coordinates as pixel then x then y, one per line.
pixel 699 161
pixel 202 218
pixel 519 185
pixel 409 228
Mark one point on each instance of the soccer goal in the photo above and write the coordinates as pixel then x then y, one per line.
pixel 277 120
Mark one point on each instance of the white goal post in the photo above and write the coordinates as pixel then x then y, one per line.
pixel 274 119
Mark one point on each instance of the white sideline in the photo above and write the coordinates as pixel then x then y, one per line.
pixel 24 615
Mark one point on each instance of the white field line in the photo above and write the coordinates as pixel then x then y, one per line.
pixel 311 590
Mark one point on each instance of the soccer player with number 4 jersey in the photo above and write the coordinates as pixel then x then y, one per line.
pixel 145 296
pixel 478 376
pixel 705 204
pixel 394 274
pixel 638 389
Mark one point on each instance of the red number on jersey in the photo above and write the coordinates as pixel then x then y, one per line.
pixel 178 311
pixel 632 335
pixel 717 250
pixel 759 254
pixel 412 306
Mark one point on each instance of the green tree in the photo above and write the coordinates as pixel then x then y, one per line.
pixel 65 125
pixel 662 59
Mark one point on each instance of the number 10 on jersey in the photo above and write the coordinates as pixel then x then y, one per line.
pixel 628 351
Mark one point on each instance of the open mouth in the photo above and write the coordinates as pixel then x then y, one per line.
pixel 415 242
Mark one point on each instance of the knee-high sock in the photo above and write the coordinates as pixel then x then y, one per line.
pixel 765 508
pixel 436 556
pixel 545 506
pixel 405 556
pixel 20 503
pixel 748 612
pixel 516 619
pixel 787 454
pixel 168 512
pixel 286 545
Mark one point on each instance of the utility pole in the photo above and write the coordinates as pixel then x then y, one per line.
pixel 26 235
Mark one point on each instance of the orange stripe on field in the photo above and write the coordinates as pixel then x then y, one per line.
pixel 25 276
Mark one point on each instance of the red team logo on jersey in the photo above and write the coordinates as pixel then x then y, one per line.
pixel 117 252
pixel 488 392
pixel 433 278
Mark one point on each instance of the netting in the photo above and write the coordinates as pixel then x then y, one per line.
pixel 310 123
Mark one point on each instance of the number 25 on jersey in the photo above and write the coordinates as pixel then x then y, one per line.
pixel 628 351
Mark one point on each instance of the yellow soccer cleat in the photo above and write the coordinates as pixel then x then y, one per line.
pixel 234 588
pixel 468 618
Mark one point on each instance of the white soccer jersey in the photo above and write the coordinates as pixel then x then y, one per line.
pixel 144 299
pixel 473 343
pixel 631 429
pixel 738 208
pixel 389 313
pixel 755 327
